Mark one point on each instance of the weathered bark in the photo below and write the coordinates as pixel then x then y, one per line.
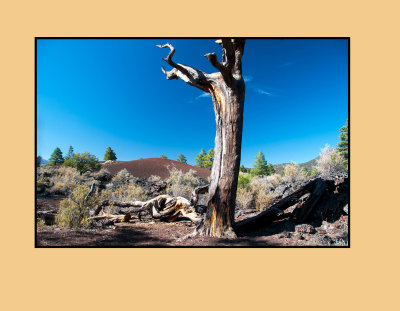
pixel 227 89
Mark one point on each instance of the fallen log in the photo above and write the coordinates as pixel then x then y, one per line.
pixel 298 206
pixel 162 207
pixel 304 208
pixel 268 215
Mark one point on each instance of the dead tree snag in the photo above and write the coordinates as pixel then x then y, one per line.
pixel 227 89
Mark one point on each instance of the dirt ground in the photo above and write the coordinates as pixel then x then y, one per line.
pixel 150 233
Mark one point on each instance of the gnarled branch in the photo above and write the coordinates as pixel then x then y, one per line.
pixel 188 74
pixel 213 59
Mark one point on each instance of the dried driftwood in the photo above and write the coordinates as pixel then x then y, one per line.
pixel 162 207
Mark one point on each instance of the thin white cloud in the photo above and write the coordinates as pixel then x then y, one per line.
pixel 203 95
pixel 260 91
pixel 247 78
pixel 286 64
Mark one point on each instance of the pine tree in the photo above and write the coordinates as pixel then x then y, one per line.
pixel 181 158
pixel 200 158
pixel 56 157
pixel 70 153
pixel 343 145
pixel 209 159
pixel 38 161
pixel 163 156
pixel 271 169
pixel 110 155
pixel 260 165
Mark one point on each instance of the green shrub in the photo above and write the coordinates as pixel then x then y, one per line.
pixel 83 162
pixel 74 211
pixel 243 180
pixel 40 223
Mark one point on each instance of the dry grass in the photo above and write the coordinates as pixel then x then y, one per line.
pixel 244 198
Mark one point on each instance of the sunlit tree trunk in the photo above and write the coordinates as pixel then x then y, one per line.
pixel 227 89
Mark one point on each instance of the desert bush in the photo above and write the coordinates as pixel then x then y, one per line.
pixel 123 178
pixel 129 193
pixel 262 200
pixel 330 162
pixel 181 184
pixel 274 180
pixel 74 211
pixel 102 175
pixel 244 198
pixel 154 178
pixel 258 184
pixel 58 179
pixel 293 172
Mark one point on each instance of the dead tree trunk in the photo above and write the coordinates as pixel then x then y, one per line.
pixel 227 89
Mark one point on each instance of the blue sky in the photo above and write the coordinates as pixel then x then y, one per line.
pixel 95 93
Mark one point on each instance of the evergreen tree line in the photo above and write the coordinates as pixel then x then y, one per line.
pixel 87 162
pixel 83 162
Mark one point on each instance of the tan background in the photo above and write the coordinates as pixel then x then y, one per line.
pixel 364 277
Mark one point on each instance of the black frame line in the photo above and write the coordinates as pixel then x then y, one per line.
pixel 194 246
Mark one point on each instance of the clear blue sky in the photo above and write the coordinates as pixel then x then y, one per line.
pixel 95 93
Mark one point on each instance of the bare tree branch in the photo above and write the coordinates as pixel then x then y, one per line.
pixel 214 61
pixel 188 74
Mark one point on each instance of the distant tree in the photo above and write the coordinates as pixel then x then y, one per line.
pixel 209 159
pixel 260 166
pixel 70 153
pixel 244 169
pixel 83 162
pixel 110 155
pixel 56 157
pixel 163 156
pixel 181 158
pixel 271 169
pixel 200 158
pixel 38 160
pixel 343 145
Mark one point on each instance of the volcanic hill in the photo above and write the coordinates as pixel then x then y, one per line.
pixel 144 168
